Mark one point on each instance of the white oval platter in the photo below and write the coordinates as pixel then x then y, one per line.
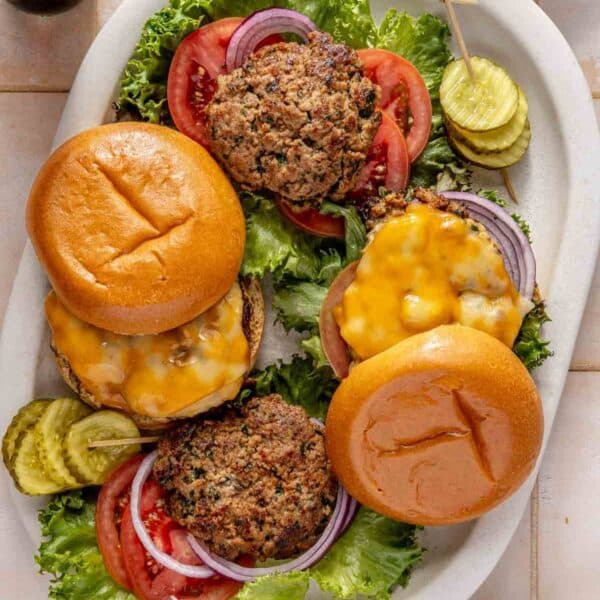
pixel 558 184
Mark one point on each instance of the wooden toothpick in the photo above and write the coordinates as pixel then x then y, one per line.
pixel 124 441
pixel 467 58
pixel 509 186
pixel 459 37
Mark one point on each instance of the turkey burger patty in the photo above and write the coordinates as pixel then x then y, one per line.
pixel 296 119
pixel 253 480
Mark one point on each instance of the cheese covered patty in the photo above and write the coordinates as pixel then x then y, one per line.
pixel 176 373
pixel 427 268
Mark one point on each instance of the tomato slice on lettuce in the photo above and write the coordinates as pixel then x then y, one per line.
pixel 313 221
pixel 112 500
pixel 387 162
pixel 404 95
pixel 192 82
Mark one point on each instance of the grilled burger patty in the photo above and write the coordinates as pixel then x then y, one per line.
pixel 296 119
pixel 252 480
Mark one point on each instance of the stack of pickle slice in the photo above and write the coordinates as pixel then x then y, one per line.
pixel 46 451
pixel 486 116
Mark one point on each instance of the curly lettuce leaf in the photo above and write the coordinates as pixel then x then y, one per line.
pixel 374 555
pixel 70 553
pixel 289 586
pixel 530 346
pixel 143 85
pixel 349 21
pixel 355 232
pixel 298 305
pixel 298 382
pixel 312 347
pixel 523 224
pixel 439 167
pixel 493 196
pixel 274 245
pixel 302 265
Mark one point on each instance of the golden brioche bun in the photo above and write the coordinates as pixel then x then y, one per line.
pixel 137 227
pixel 438 429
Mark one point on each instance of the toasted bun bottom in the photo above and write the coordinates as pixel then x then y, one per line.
pixel 253 324
pixel 438 429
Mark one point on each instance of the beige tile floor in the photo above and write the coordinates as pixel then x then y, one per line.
pixel 555 552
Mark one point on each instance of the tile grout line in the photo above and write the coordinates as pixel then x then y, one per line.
pixel 534 543
pixel 32 90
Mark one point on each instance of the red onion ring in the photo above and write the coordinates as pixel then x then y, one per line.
pixel 197 572
pixel 260 25
pixel 351 513
pixel 503 229
pixel 310 557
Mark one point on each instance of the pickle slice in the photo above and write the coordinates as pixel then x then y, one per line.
pixel 488 102
pixel 28 469
pixel 94 465
pixel 495 160
pixel 24 420
pixel 49 434
pixel 495 140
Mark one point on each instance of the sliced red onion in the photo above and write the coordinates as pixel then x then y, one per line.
pixel 310 557
pixel 259 26
pixel 197 572
pixel 351 513
pixel 503 229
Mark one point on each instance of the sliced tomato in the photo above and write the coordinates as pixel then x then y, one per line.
pixel 199 59
pixel 111 503
pixel 334 345
pixel 313 221
pixel 152 581
pixel 192 82
pixel 404 95
pixel 387 163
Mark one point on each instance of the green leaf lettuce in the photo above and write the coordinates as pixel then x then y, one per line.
pixel 298 382
pixel 374 555
pixel 69 551
pixel 290 586
pixel 530 346
pixel 143 86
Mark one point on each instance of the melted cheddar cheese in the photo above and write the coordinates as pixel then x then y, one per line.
pixel 173 374
pixel 423 269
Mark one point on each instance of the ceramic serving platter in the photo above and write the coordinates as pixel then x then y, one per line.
pixel 557 183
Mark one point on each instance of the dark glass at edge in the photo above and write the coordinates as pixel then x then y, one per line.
pixel 44 7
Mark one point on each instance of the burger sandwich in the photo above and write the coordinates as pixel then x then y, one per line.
pixel 142 237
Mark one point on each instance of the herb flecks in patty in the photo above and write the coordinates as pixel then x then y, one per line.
pixel 296 119
pixel 253 480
